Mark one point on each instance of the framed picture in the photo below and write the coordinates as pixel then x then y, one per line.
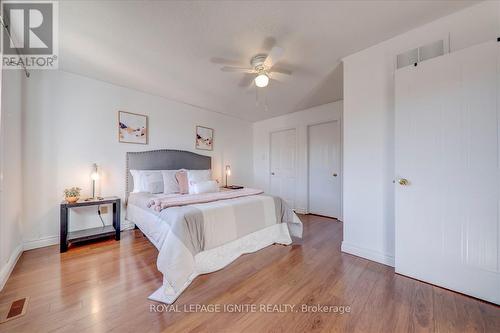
pixel 132 128
pixel 204 138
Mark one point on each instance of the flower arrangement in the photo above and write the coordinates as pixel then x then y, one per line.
pixel 72 194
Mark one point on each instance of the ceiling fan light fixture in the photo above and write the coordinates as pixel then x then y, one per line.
pixel 261 80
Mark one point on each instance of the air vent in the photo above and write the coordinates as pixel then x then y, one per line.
pixel 408 58
pixel 16 310
pixel 422 53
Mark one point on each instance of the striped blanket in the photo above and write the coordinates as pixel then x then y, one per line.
pixel 159 204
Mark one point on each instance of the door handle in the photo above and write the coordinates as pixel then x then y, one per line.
pixel 334 175
pixel 272 173
pixel 403 182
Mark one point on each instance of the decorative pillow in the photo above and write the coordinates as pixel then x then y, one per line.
pixel 137 181
pixel 195 176
pixel 147 181
pixel 182 179
pixel 206 186
pixel 170 184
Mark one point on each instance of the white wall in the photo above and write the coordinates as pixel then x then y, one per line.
pixel 70 122
pixel 369 125
pixel 300 121
pixel 11 199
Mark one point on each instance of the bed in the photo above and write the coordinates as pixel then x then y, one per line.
pixel 202 233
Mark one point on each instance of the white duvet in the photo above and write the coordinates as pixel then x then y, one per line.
pixel 203 238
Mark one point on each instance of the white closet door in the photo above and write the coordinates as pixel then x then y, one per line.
pixel 282 164
pixel 324 169
pixel 447 147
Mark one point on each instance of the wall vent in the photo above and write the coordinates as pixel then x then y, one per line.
pixel 422 53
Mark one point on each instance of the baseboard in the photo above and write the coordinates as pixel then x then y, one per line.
pixel 127 225
pixel 300 211
pixel 42 242
pixel 372 255
pixel 9 266
pixel 54 240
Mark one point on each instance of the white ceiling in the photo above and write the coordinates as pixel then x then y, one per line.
pixel 174 49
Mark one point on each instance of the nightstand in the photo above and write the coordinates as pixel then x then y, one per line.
pixel 92 233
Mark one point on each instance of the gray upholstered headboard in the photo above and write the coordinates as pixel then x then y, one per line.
pixel 164 159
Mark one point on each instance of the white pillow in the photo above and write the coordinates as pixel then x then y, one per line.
pixel 170 184
pixel 137 181
pixel 195 176
pixel 206 186
pixel 147 181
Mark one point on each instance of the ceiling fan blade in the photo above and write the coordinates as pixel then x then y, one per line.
pixel 273 56
pixel 224 61
pixel 274 83
pixel 279 76
pixel 268 43
pixel 237 69
pixel 246 80
pixel 277 69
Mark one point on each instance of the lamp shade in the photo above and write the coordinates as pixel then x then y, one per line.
pixel 95 173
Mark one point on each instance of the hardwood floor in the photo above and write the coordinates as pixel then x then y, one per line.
pixel 104 286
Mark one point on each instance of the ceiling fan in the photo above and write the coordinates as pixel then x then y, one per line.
pixel 262 67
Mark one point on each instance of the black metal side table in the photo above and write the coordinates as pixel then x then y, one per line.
pixel 92 233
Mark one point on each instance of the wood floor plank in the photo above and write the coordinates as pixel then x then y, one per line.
pixel 103 286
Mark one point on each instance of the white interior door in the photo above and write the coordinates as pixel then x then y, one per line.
pixel 324 169
pixel 282 165
pixel 447 147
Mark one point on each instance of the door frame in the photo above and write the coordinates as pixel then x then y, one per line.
pixel 341 164
pixel 294 160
